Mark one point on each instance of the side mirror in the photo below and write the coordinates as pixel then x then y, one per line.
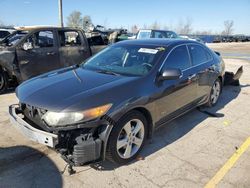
pixel 27 46
pixel 170 74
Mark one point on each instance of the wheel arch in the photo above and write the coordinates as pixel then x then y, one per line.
pixel 148 117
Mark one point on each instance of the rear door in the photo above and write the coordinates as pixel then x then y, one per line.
pixel 73 47
pixel 202 62
pixel 41 57
pixel 178 95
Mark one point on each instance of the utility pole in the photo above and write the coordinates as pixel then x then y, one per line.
pixel 60 13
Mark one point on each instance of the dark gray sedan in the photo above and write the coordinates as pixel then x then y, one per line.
pixel 109 105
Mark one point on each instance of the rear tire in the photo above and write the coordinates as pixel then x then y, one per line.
pixel 3 81
pixel 127 138
pixel 215 93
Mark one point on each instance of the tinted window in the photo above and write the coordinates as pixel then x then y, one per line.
pixel 198 54
pixel 42 39
pixel 69 38
pixel 178 58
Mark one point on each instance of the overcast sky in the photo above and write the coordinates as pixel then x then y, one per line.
pixel 205 14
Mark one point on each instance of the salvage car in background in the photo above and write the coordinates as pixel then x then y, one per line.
pixel 151 33
pixel 108 106
pixel 5 31
pixel 31 51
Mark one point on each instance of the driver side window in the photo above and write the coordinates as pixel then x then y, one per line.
pixel 178 58
pixel 41 39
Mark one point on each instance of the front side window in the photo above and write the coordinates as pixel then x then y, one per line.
pixel 178 58
pixel 69 38
pixel 133 60
pixel 198 54
pixel 42 39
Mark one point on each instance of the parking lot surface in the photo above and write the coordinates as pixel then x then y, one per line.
pixel 195 150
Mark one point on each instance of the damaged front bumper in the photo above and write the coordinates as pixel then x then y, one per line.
pixel 77 146
pixel 32 133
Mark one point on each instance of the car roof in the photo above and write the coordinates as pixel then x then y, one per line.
pixel 29 28
pixel 155 30
pixel 158 42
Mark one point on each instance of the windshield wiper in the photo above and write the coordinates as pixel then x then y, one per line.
pixel 107 72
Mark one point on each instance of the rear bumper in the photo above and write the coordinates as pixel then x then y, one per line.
pixel 30 132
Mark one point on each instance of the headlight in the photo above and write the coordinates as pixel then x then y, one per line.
pixel 66 118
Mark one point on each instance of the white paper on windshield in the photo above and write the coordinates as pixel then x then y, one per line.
pixel 148 50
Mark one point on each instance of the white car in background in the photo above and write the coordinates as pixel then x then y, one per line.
pixel 193 39
pixel 153 33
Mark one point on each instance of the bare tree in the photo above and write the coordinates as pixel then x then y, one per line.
pixel 184 27
pixel 105 23
pixel 155 25
pixel 87 23
pixel 75 19
pixel 145 26
pixel 134 29
pixel 204 32
pixel 228 24
pixel 166 27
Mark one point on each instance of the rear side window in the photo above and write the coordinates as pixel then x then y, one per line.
pixel 159 34
pixel 69 38
pixel 178 58
pixel 198 54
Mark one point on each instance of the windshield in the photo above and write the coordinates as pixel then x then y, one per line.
pixel 144 35
pixel 131 60
pixel 13 38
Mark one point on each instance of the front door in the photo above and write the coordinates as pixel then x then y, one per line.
pixel 177 95
pixel 39 56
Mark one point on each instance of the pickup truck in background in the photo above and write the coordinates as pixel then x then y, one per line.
pixel 31 51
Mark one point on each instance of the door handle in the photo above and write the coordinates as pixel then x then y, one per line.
pixel 51 53
pixel 192 76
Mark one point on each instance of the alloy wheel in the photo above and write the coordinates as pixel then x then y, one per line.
pixel 130 138
pixel 215 92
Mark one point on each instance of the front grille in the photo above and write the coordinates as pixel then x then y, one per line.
pixel 34 115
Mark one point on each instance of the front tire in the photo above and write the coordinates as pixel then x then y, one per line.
pixel 127 138
pixel 215 93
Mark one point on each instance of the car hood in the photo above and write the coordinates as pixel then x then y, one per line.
pixel 68 89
